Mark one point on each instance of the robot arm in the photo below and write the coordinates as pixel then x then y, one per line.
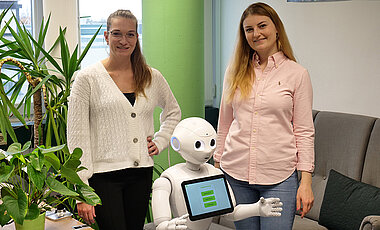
pixel 174 224
pixel 161 207
pixel 264 207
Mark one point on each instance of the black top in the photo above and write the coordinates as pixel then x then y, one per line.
pixel 131 97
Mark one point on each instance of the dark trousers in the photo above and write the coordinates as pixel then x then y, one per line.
pixel 125 197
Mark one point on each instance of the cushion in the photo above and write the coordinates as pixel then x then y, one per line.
pixel 347 201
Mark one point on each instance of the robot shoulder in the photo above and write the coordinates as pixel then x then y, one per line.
pixel 174 170
pixel 162 183
pixel 212 170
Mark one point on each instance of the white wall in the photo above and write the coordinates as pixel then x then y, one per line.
pixel 63 14
pixel 338 42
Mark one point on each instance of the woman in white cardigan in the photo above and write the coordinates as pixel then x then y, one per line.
pixel 110 118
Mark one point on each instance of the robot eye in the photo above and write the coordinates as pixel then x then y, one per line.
pixel 199 145
pixel 212 143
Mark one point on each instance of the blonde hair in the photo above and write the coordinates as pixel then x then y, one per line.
pixel 241 74
pixel 141 71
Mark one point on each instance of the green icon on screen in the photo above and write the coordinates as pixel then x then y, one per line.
pixel 207 193
pixel 210 204
pixel 208 198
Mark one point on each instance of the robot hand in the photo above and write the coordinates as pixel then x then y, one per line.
pixel 270 207
pixel 174 224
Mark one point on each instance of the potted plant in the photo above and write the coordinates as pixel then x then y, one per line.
pixel 29 184
pixel 29 57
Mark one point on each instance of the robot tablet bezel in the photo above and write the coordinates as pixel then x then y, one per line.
pixel 218 212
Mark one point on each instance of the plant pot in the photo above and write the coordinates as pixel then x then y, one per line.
pixel 36 224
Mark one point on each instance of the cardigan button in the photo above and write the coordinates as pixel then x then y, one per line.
pixel 135 140
pixel 324 177
pixel 133 115
pixel 136 163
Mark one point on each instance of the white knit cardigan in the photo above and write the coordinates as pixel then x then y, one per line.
pixel 111 132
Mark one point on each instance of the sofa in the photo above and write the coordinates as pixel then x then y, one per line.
pixel 350 145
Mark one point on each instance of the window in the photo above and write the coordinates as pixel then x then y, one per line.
pixel 94 15
pixel 22 10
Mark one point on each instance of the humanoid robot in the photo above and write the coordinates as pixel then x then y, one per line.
pixel 195 139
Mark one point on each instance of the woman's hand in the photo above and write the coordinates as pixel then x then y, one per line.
pixel 305 194
pixel 152 147
pixel 87 212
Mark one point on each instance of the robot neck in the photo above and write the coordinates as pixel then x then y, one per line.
pixel 192 166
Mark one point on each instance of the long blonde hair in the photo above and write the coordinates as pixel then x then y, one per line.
pixel 241 74
pixel 141 71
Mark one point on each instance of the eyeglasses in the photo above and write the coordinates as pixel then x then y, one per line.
pixel 119 35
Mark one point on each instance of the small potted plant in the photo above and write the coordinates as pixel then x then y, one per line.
pixel 33 183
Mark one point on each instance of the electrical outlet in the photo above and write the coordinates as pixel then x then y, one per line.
pixel 2 141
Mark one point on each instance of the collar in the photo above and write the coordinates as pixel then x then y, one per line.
pixel 276 59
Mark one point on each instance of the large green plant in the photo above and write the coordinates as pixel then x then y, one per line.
pixel 27 182
pixel 56 82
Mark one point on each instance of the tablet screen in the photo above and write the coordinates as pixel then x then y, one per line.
pixel 207 197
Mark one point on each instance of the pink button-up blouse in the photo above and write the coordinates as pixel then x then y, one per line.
pixel 265 138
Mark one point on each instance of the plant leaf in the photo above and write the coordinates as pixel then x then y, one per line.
pixel 33 212
pixel 53 160
pixel 5 172
pixel 72 164
pixel 87 193
pixel 42 35
pixel 7 102
pixel 52 149
pixel 5 191
pixel 5 77
pixel 14 148
pixel 71 175
pixel 81 168
pixel 5 124
pixel 17 208
pixel 73 62
pixel 4 12
pixel 4 217
pixel 58 187
pixel 39 85
pixel 5 26
pixel 87 47
pixel 26 146
pixel 77 153
pixel 46 54
pixel 65 53
pixel 37 161
pixel 37 178
pixel 74 160
pixel 20 43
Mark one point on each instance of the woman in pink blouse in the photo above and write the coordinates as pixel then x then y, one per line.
pixel 265 129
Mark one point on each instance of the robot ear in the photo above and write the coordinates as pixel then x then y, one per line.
pixel 175 144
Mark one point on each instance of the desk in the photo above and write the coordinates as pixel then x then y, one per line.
pixel 64 224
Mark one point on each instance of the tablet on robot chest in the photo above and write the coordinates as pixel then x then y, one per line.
pixel 207 197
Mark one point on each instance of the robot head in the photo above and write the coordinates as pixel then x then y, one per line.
pixel 195 139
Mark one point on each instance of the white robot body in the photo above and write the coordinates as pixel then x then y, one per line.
pixel 194 138
pixel 176 175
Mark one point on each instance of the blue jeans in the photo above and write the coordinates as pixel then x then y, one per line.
pixel 246 193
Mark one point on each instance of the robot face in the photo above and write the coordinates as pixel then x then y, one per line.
pixel 195 139
pixel 203 149
pixel 200 145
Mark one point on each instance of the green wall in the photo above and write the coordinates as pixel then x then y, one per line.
pixel 172 33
